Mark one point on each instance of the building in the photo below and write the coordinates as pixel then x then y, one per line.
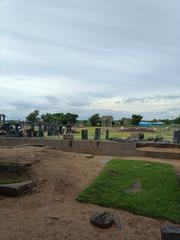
pixel 150 124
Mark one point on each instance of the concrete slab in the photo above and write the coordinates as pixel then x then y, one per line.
pixel 16 189
pixel 170 233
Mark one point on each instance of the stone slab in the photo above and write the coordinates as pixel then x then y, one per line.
pixel 170 233
pixel 16 189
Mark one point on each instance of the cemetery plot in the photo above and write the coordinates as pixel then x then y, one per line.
pixel 143 188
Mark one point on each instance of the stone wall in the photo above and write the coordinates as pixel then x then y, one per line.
pixel 79 146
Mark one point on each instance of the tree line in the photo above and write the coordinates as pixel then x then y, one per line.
pixel 94 120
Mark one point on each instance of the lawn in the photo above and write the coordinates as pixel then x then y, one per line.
pixel 159 196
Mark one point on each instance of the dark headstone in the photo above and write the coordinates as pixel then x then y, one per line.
pixel 141 136
pixel 102 219
pixel 170 233
pixel 176 137
pixel 97 134
pixel 107 134
pixel 84 134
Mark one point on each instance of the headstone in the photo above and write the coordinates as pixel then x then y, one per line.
pixel 170 233
pixel 84 134
pixel 68 137
pixel 107 134
pixel 97 134
pixel 176 137
pixel 102 219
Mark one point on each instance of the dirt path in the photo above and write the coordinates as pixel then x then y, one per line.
pixel 52 213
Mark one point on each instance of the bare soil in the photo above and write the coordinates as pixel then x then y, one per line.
pixel 52 213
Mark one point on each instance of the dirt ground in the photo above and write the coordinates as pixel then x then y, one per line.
pixel 52 213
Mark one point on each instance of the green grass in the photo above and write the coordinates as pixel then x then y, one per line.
pixel 9 181
pixel 159 197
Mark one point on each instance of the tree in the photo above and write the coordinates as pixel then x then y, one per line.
pixel 33 116
pixel 60 118
pixel 48 117
pixel 70 118
pixel 95 120
pixel 136 119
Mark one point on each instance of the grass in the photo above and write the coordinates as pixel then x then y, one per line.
pixel 9 181
pixel 159 197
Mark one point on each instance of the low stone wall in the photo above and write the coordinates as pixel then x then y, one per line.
pixel 78 146
pixel 158 154
pixel 91 147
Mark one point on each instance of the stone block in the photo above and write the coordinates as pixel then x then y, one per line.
pixel 170 233
pixel 16 189
pixel 68 137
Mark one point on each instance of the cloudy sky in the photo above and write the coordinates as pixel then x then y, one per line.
pixel 86 56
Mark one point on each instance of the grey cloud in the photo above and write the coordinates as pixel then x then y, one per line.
pixel 155 98
pixel 27 105
pixel 118 48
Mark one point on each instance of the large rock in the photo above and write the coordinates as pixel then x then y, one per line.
pixel 16 189
pixel 170 233
pixel 102 219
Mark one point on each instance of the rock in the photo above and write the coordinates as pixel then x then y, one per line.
pixel 16 189
pixel 102 219
pixel 170 233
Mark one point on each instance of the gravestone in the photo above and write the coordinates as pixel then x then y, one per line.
pixel 84 134
pixel 97 134
pixel 107 134
pixel 176 137
pixel 68 137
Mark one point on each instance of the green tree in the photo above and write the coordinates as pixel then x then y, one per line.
pixel 61 118
pixel 48 117
pixel 33 116
pixel 136 119
pixel 70 118
pixel 95 120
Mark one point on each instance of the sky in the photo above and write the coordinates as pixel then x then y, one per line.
pixel 116 57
